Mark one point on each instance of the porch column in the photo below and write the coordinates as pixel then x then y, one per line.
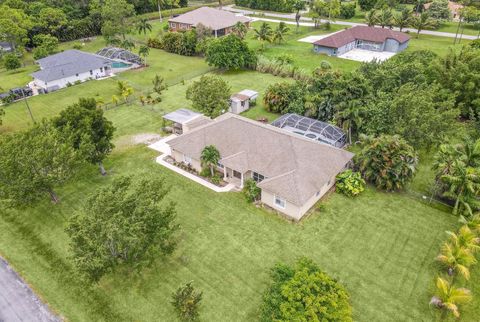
pixel 215 33
pixel 241 180
pixel 224 173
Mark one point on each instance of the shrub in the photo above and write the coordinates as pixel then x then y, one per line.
pixel 186 302
pixel 181 43
pixel 285 98
pixel 251 191
pixel 11 62
pixel 154 43
pixel 304 293
pixel 205 172
pixel 278 67
pixel 350 183
pixel 387 161
pixel 77 46
pixel 275 5
pixel 216 179
pixel 39 53
pixel 229 52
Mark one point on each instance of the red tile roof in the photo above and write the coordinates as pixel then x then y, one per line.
pixel 373 34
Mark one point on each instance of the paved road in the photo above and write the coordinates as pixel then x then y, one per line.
pixel 305 21
pixel 17 300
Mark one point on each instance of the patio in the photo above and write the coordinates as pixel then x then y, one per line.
pixel 366 56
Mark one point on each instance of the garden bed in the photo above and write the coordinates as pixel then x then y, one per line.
pixel 189 169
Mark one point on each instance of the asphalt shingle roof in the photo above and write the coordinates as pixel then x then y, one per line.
pixel 68 63
pixel 215 19
pixel 296 167
pixel 373 34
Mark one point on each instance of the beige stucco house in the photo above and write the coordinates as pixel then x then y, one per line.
pixel 293 172
pixel 220 21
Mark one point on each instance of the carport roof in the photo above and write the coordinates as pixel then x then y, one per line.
pixel 182 116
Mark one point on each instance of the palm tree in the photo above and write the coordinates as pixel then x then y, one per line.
pixel 422 21
pixel 143 26
pixel 349 117
pixel 457 259
pixel 473 223
pixel 115 100
pixel 463 187
pixel 469 152
pixel 402 19
pixel 448 297
pixel 264 34
pixel 385 18
pixel 240 30
pixel 210 157
pixel 144 51
pixel 280 32
pixel 465 238
pixel 127 44
pixel 444 160
pixel 371 18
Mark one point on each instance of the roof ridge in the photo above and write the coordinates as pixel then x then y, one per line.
pixel 233 155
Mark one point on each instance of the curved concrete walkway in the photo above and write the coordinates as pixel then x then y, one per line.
pixel 17 300
pixel 305 21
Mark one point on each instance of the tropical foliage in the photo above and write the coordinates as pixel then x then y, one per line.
pixel 448 297
pixel 350 183
pixel 186 302
pixel 251 191
pixel 304 293
pixel 210 157
pixel 387 161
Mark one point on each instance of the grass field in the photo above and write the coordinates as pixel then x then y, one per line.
pixel 380 246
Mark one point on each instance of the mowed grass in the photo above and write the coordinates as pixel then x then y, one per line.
pixel 380 246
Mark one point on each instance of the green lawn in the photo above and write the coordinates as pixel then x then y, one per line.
pixel 380 246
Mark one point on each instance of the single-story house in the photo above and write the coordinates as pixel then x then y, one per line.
pixel 220 21
pixel 363 37
pixel 454 8
pixel 293 172
pixel 68 67
pixel 240 102
pixel 185 120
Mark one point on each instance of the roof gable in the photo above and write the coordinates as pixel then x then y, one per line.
pixel 373 34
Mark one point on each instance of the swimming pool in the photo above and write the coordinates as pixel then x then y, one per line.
pixel 119 64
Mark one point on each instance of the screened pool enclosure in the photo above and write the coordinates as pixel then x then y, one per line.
pixel 312 129
pixel 120 54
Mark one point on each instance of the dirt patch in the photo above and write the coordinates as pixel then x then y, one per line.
pixel 142 138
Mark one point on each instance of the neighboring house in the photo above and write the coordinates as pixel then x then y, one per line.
pixel 240 102
pixel 220 21
pixel 5 47
pixel 362 37
pixel 185 120
pixel 454 8
pixel 293 172
pixel 68 67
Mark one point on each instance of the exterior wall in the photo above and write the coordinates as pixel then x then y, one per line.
pixel 293 211
pixel 290 209
pixel 179 157
pixel 391 45
pixel 237 108
pixel 342 50
pixel 324 50
pixel 403 46
pixel 96 73
pixel 176 26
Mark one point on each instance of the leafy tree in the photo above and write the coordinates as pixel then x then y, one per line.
pixel 422 21
pixel 143 26
pixel 210 157
pixel 240 30
pixel 456 259
pixel 34 162
pixel 91 132
pixel 350 183
pixel 210 94
pixel 229 52
pixel 280 32
pixel 367 5
pixel 304 293
pixel 282 98
pixel 264 34
pixel 186 302
pixel 11 62
pixel 180 43
pixel 448 297
pixel 127 222
pixel 251 191
pixel 115 15
pixel 402 19
pixel 124 90
pixel 144 51
pixel 45 45
pixel 347 10
pixel 439 10
pixel 14 26
pixel 299 5
pixel 51 20
pixel 387 161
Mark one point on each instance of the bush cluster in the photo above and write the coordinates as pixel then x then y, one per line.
pixel 280 66
pixel 181 43
pixel 350 183
pixel 272 5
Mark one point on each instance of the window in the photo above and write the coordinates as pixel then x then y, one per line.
pixel 101 69
pixel 258 177
pixel 237 174
pixel 187 159
pixel 91 72
pixel 76 75
pixel 279 202
pixel 220 165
